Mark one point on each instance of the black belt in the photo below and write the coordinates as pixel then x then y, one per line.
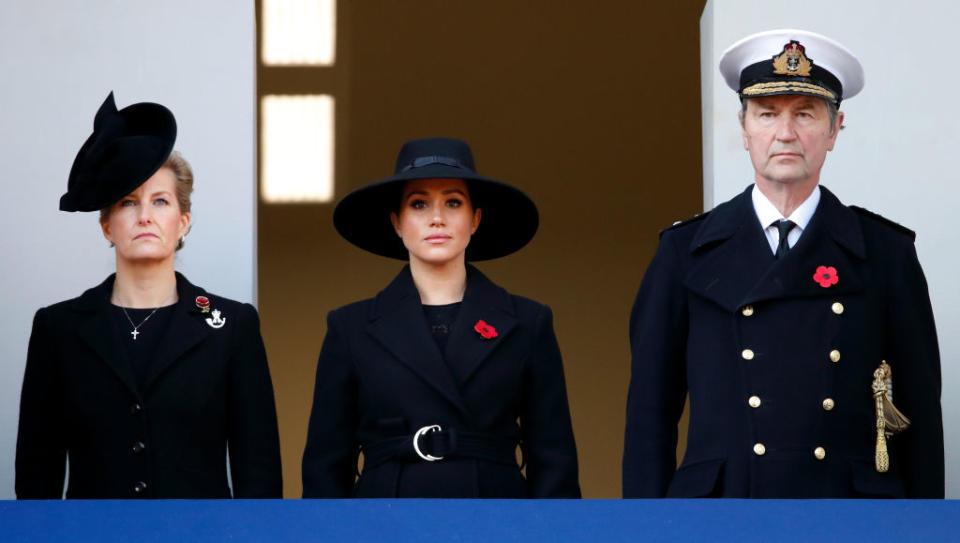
pixel 432 443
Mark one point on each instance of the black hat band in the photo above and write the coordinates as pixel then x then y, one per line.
pixel 422 161
pixel 759 79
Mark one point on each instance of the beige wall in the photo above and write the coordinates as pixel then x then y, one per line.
pixel 592 108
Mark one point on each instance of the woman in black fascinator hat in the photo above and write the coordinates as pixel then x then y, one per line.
pixel 146 381
pixel 439 378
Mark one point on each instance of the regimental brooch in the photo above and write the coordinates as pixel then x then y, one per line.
pixel 216 321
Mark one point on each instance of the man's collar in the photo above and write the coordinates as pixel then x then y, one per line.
pixel 767 213
pixel 737 215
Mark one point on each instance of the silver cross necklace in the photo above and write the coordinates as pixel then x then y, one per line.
pixel 136 327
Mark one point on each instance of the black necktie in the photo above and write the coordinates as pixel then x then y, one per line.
pixel 784 227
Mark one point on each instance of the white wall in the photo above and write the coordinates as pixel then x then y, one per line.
pixel 898 153
pixel 58 61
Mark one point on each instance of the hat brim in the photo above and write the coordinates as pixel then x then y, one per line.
pixel 508 221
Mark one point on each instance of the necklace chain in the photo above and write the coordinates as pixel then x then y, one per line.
pixel 136 327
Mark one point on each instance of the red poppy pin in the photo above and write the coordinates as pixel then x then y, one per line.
pixel 826 276
pixel 485 330
pixel 203 303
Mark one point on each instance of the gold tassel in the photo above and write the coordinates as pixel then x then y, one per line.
pixel 890 420
pixel 883 459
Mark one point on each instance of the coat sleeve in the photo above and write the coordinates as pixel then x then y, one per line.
pixel 253 438
pixel 41 446
pixel 914 358
pixel 548 446
pixel 330 457
pixel 658 385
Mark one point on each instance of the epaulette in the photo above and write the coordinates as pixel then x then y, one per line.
pixel 880 218
pixel 691 220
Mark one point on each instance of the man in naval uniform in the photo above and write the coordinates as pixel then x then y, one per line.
pixel 776 311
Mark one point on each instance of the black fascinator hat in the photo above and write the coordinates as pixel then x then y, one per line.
pixel 509 220
pixel 125 149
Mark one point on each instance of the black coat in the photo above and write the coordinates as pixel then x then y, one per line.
pixel 208 389
pixel 717 315
pixel 381 377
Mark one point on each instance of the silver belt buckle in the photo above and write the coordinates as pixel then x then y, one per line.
pixel 416 442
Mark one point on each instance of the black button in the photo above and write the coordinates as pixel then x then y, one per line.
pixel 139 446
pixel 140 488
pixel 136 409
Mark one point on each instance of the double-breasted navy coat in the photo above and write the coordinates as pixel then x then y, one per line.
pixel 381 377
pixel 778 367
pixel 208 390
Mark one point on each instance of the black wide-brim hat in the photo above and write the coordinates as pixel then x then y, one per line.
pixel 509 218
pixel 125 149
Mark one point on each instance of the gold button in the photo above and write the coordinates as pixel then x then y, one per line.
pixel 754 401
pixel 747 310
pixel 828 404
pixel 834 355
pixel 759 449
pixel 820 453
pixel 747 354
pixel 837 307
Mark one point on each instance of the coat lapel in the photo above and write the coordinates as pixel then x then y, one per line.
pixel 483 300
pixel 833 238
pixel 734 253
pixel 98 331
pixel 187 328
pixel 738 268
pixel 397 322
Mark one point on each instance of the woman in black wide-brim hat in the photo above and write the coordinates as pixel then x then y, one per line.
pixel 440 377
pixel 144 382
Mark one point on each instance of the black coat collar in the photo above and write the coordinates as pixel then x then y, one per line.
pixel 187 328
pixel 736 266
pixel 396 320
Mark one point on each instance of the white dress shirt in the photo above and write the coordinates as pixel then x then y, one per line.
pixel 768 216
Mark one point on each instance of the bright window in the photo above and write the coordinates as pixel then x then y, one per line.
pixel 296 148
pixel 298 32
pixel 297 81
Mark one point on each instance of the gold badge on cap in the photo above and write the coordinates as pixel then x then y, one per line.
pixel 792 61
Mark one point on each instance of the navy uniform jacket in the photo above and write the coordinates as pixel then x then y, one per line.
pixel 381 377
pixel 206 390
pixel 719 317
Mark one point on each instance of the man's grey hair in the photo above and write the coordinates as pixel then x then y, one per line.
pixel 832 111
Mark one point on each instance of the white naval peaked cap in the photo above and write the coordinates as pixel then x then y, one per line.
pixel 790 61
